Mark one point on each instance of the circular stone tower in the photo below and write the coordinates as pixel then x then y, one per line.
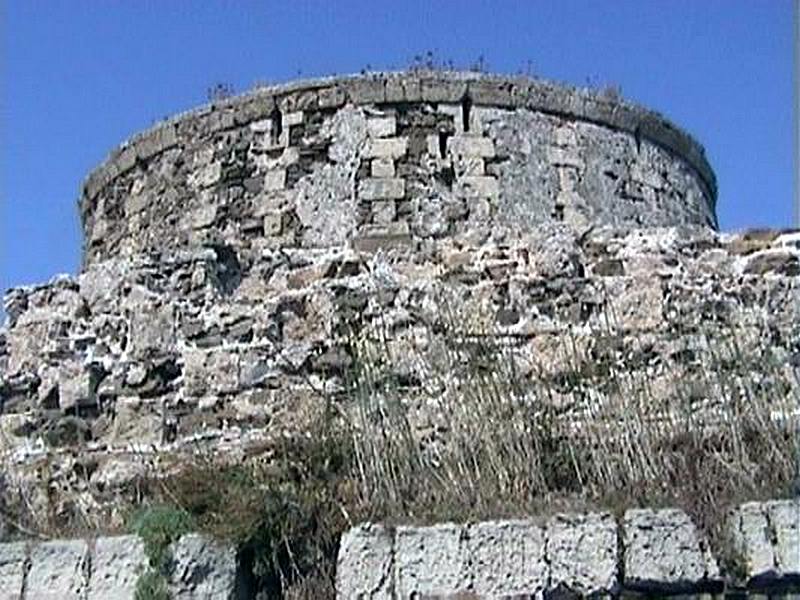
pixel 391 160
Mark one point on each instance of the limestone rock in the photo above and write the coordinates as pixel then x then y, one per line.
pixel 664 552
pixel 59 569
pixel 507 558
pixel 117 563
pixel 582 553
pixel 364 566
pixel 766 536
pixel 430 561
pixel 202 569
pixel 12 570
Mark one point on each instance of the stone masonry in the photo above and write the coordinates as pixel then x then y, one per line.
pixel 235 256
pixel 650 553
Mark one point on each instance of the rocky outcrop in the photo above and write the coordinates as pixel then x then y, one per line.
pixel 653 552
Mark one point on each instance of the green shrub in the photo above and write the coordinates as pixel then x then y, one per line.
pixel 158 527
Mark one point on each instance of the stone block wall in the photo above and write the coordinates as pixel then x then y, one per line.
pixel 390 159
pixel 108 568
pixel 645 553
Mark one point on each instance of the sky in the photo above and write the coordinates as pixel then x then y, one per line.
pixel 78 77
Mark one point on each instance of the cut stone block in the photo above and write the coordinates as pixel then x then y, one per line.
pixel 275 180
pixel 364 567
pixel 430 561
pixel 664 552
pixel 202 569
pixel 381 189
pixel 380 127
pixel 767 539
pixel 58 570
pixel 477 187
pixel 117 563
pixel 582 553
pixel 386 148
pixel 507 558
pixel 382 167
pixel 12 570
pixel 466 145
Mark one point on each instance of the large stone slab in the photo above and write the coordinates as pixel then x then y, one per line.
pixel 202 569
pixel 582 553
pixel 12 570
pixel 431 561
pixel 664 552
pixel 59 570
pixel 766 537
pixel 117 563
pixel 364 567
pixel 507 558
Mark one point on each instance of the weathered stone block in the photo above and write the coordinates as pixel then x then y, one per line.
pixel 664 552
pixel 382 167
pixel 383 211
pixel 117 563
pixel 212 371
pixel 767 539
pixel 290 119
pixel 12 570
pixel 381 189
pixel 386 147
pixel 467 145
pixel 275 180
pixel 477 187
pixel 381 127
pixel 59 569
pixel 507 558
pixel 364 567
pixel 202 569
pixel 582 553
pixel 364 91
pixel 430 561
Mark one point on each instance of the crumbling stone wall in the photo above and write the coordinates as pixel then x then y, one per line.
pixel 232 253
pixel 102 373
pixel 390 159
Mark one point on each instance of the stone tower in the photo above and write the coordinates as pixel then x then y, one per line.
pixel 228 250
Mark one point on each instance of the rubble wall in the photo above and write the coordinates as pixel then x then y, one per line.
pixel 390 159
pixel 140 357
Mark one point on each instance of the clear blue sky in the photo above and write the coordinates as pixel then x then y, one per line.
pixel 80 76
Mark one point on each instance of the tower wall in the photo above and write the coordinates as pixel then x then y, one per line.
pixel 393 160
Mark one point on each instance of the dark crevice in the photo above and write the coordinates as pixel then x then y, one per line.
pixel 466 108
pixel 443 135
pixel 277 125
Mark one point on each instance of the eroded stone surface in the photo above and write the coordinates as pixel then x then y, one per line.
pixel 767 540
pixel 284 167
pixel 507 558
pixel 582 553
pixel 365 563
pixel 59 569
pixel 664 551
pixel 116 565
pixel 202 569
pixel 431 561
pixel 12 570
